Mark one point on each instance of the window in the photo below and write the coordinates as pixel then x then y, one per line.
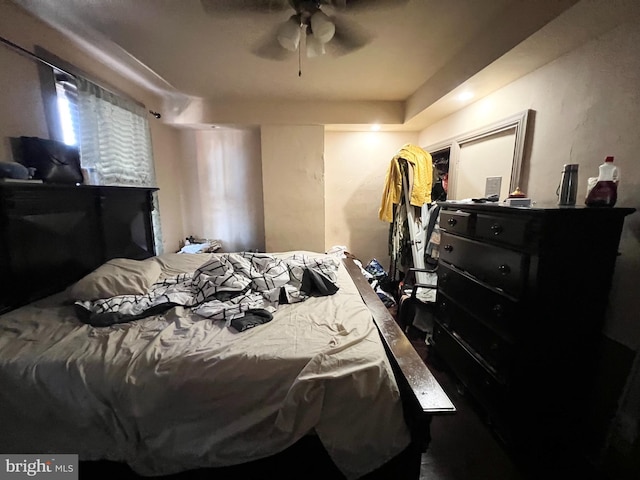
pixel 115 142
pixel 67 106
pixel 112 134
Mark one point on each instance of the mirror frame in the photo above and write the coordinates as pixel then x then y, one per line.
pixel 518 121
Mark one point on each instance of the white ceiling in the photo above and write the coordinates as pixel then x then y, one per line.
pixel 419 52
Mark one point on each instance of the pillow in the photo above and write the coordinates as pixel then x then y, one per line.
pixel 173 264
pixel 119 276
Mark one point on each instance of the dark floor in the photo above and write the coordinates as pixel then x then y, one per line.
pixel 462 446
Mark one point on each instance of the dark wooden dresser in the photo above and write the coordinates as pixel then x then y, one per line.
pixel 44 226
pixel 521 300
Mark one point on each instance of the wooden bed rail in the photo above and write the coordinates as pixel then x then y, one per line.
pixel 422 395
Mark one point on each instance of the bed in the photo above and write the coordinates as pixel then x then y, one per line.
pixel 331 379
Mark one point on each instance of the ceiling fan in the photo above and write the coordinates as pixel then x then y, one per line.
pixel 308 25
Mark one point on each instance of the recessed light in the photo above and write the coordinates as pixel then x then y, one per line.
pixel 464 96
pixel 375 127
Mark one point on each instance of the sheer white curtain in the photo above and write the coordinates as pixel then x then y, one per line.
pixel 115 143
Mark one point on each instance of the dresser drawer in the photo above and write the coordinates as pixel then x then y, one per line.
pixel 495 350
pixel 499 267
pixel 18 201
pixel 485 387
pixel 456 221
pixel 494 309
pixel 503 229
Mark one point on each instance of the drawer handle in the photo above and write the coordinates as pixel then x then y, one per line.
pixel 444 278
pixel 448 248
pixel 496 228
pixel 504 269
pixel 452 222
pixel 443 306
pixel 498 310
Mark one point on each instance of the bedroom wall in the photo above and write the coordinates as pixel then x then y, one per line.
pixel 222 178
pixel 17 95
pixel 22 98
pixel 355 167
pixel 293 187
pixel 586 107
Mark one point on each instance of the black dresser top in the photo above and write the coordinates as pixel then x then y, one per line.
pixel 537 209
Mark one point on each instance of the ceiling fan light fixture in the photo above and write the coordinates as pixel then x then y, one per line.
pixel 289 34
pixel 315 47
pixel 322 27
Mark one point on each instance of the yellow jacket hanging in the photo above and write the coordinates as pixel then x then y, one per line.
pixel 420 190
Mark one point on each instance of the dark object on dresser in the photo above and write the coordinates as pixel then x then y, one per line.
pixel 521 301
pixel 78 228
pixel 53 161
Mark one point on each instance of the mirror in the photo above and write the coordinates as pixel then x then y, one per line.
pixel 485 161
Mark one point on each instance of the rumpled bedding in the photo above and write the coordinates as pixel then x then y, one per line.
pixel 176 391
pixel 223 288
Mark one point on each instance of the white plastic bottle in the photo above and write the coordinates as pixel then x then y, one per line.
pixel 605 192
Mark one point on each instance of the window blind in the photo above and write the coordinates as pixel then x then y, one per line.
pixel 115 142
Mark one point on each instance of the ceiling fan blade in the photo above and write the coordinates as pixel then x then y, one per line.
pixel 235 7
pixel 353 5
pixel 348 38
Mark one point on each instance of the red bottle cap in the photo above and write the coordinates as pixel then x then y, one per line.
pixel 608 159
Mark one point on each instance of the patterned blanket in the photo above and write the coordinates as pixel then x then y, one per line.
pixel 224 288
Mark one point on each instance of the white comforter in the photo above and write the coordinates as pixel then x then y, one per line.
pixel 175 392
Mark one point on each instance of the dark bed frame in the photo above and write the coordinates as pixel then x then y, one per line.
pixel 64 232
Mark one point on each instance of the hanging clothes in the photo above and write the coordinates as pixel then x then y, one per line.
pixel 412 166
pixel 399 240
pixel 432 233
pixel 421 175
